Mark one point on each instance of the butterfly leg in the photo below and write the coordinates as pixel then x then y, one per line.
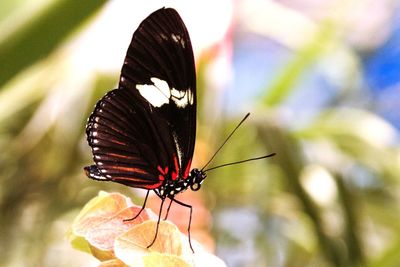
pixel 169 207
pixel 158 222
pixel 190 219
pixel 144 205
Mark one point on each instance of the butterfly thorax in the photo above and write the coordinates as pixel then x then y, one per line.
pixel 172 187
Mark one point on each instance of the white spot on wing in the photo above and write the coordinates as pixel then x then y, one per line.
pixel 175 37
pixel 163 36
pixel 178 94
pixel 178 39
pixel 182 98
pixel 159 93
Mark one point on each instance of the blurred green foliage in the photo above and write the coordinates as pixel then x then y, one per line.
pixel 41 33
pixel 43 146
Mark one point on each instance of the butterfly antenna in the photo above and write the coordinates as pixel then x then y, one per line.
pixel 226 140
pixel 241 161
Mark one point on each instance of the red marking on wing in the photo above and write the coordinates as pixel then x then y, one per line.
pixel 187 170
pixel 127 169
pixel 162 171
pixel 154 186
pixel 115 141
pixel 161 177
pixel 175 173
pixel 121 156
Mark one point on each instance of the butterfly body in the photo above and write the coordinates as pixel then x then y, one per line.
pixel 172 187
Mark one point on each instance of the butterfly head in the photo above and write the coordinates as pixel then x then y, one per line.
pixel 196 178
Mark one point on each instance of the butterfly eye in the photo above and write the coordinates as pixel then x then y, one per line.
pixel 195 186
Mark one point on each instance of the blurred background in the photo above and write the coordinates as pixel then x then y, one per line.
pixel 321 79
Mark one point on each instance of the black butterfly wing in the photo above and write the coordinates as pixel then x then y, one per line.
pixel 144 132
pixel 161 49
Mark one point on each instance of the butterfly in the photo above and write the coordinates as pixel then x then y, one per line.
pixel 143 133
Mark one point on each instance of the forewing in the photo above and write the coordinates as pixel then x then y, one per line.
pixel 160 65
